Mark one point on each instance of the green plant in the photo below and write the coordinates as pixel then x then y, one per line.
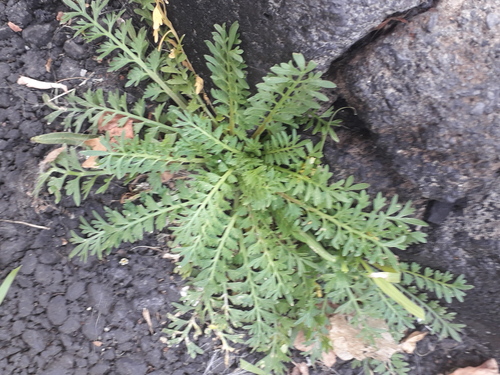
pixel 7 282
pixel 268 245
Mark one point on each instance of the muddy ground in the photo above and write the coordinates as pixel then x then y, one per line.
pixel 63 316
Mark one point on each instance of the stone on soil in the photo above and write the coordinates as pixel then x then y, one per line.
pixel 57 311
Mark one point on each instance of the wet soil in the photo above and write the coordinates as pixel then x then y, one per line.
pixel 64 316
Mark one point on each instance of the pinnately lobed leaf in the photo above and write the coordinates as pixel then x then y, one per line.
pixel 267 243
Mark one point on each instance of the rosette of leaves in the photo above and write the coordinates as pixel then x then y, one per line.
pixel 267 243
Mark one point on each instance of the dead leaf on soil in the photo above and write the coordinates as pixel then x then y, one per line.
pixel 348 344
pixel 166 177
pixel 300 369
pixel 147 318
pixel 112 126
pixel 96 145
pixel 490 367
pixel 33 83
pixel 300 343
pixel 97 343
pixel 48 64
pixel 328 358
pixel 409 344
pixel 14 27
pixel 198 84
pixel 51 156
pixel 59 16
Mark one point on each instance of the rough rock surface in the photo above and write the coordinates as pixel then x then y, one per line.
pixel 468 242
pixel 272 29
pixel 430 92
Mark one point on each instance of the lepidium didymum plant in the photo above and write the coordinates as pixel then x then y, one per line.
pixel 267 243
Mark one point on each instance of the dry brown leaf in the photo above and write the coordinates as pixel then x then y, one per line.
pixel 348 344
pixel 490 367
pixel 97 343
pixel 147 318
pixel 198 84
pixel 111 126
pixel 51 156
pixel 166 177
pixel 14 27
pixel 96 145
pixel 300 343
pixel 328 359
pixel 33 83
pixel 48 64
pixel 300 369
pixel 409 344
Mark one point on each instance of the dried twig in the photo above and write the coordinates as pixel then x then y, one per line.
pixel 24 223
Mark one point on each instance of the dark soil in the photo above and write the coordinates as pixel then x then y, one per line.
pixel 63 316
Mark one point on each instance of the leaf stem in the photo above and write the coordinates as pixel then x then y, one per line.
pixel 178 99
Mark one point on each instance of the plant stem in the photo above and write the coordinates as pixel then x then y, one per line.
pixel 178 99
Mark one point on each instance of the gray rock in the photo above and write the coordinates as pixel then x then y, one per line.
pixel 69 68
pixel 439 211
pixel 129 366
pixel 6 32
pixel 11 251
pixel 492 20
pixel 18 327
pixel 145 284
pixel 39 35
pixel 93 328
pixel 100 298
pixel 69 344
pixel 154 357
pixel 34 64
pixel 36 340
pixel 17 47
pixel 26 303
pixel 70 325
pixel 431 96
pixel 271 30
pixel 7 230
pixel 4 70
pixel 20 361
pixel 55 371
pixel 74 50
pixel 153 303
pixel 75 290
pixel 30 129
pixel 49 256
pixel 57 311
pixel 19 14
pixel 28 263
pixel 99 369
pixel 52 351
pixel 43 274
pixel 121 336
